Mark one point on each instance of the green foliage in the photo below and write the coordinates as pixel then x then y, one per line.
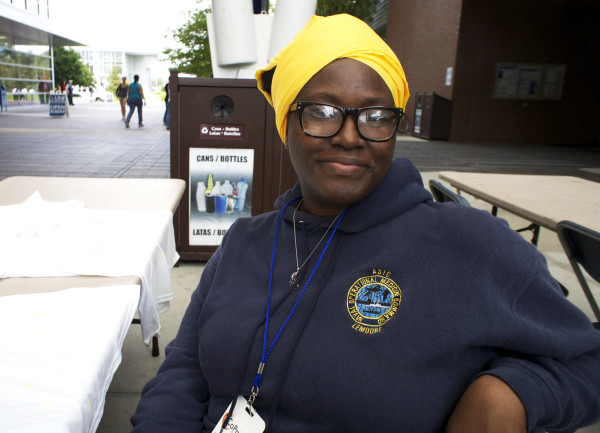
pixel 68 66
pixel 194 55
pixel 363 9
pixel 113 80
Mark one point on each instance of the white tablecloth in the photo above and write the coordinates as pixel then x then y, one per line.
pixel 45 239
pixel 58 354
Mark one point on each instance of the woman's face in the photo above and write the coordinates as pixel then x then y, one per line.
pixel 337 171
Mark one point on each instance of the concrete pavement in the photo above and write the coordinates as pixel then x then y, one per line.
pixel 91 142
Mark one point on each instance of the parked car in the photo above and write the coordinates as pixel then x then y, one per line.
pixel 100 94
pixel 82 93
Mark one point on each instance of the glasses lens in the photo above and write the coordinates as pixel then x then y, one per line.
pixel 377 123
pixel 321 120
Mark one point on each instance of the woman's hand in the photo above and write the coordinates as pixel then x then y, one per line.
pixel 488 405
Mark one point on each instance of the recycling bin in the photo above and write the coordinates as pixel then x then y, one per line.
pixel 225 145
pixel 432 117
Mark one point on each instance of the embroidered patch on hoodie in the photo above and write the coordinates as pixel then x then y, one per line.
pixel 372 301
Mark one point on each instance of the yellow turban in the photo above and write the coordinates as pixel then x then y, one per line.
pixel 321 41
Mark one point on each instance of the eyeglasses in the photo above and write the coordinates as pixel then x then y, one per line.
pixel 321 120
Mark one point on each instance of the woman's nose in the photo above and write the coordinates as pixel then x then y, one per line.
pixel 348 135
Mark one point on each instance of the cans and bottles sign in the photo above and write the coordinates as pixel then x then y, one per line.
pixel 220 191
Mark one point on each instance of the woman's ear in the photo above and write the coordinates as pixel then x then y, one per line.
pixel 286 144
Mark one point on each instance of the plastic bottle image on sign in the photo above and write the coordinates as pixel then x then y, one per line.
pixel 242 188
pixel 200 200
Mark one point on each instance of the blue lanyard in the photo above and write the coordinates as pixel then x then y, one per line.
pixel 266 350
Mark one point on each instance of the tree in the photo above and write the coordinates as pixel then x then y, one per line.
pixel 68 66
pixel 363 9
pixel 113 80
pixel 193 57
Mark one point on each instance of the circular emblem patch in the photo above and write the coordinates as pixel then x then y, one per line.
pixel 372 301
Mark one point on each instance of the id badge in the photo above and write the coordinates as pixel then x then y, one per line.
pixel 243 420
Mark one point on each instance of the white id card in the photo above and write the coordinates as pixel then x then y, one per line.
pixel 242 421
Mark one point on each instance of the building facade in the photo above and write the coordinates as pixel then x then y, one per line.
pixel 513 71
pixel 26 40
pixel 153 73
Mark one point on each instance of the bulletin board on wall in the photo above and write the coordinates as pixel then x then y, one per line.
pixel 529 81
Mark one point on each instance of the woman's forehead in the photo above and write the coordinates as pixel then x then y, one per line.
pixel 347 77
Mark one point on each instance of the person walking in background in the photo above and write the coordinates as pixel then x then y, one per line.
pixel 167 116
pixel 63 87
pixel 42 92
pixel 3 103
pixel 134 100
pixel 45 90
pixel 121 92
pixel 70 92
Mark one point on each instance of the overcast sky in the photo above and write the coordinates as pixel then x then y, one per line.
pixel 131 25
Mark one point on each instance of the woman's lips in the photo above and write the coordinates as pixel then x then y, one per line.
pixel 345 168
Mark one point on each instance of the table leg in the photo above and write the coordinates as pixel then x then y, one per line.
pixel 155 348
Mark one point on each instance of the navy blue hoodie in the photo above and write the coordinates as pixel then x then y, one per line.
pixel 411 301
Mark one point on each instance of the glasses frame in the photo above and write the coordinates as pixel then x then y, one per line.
pixel 301 105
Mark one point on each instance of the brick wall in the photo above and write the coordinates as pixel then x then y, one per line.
pixel 476 35
pixel 424 36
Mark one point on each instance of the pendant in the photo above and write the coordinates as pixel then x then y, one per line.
pixel 294 278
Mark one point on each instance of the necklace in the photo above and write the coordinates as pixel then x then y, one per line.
pixel 294 276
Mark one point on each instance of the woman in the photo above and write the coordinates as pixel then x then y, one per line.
pixel 167 115
pixel 122 92
pixel 70 92
pixel 364 305
pixel 134 100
